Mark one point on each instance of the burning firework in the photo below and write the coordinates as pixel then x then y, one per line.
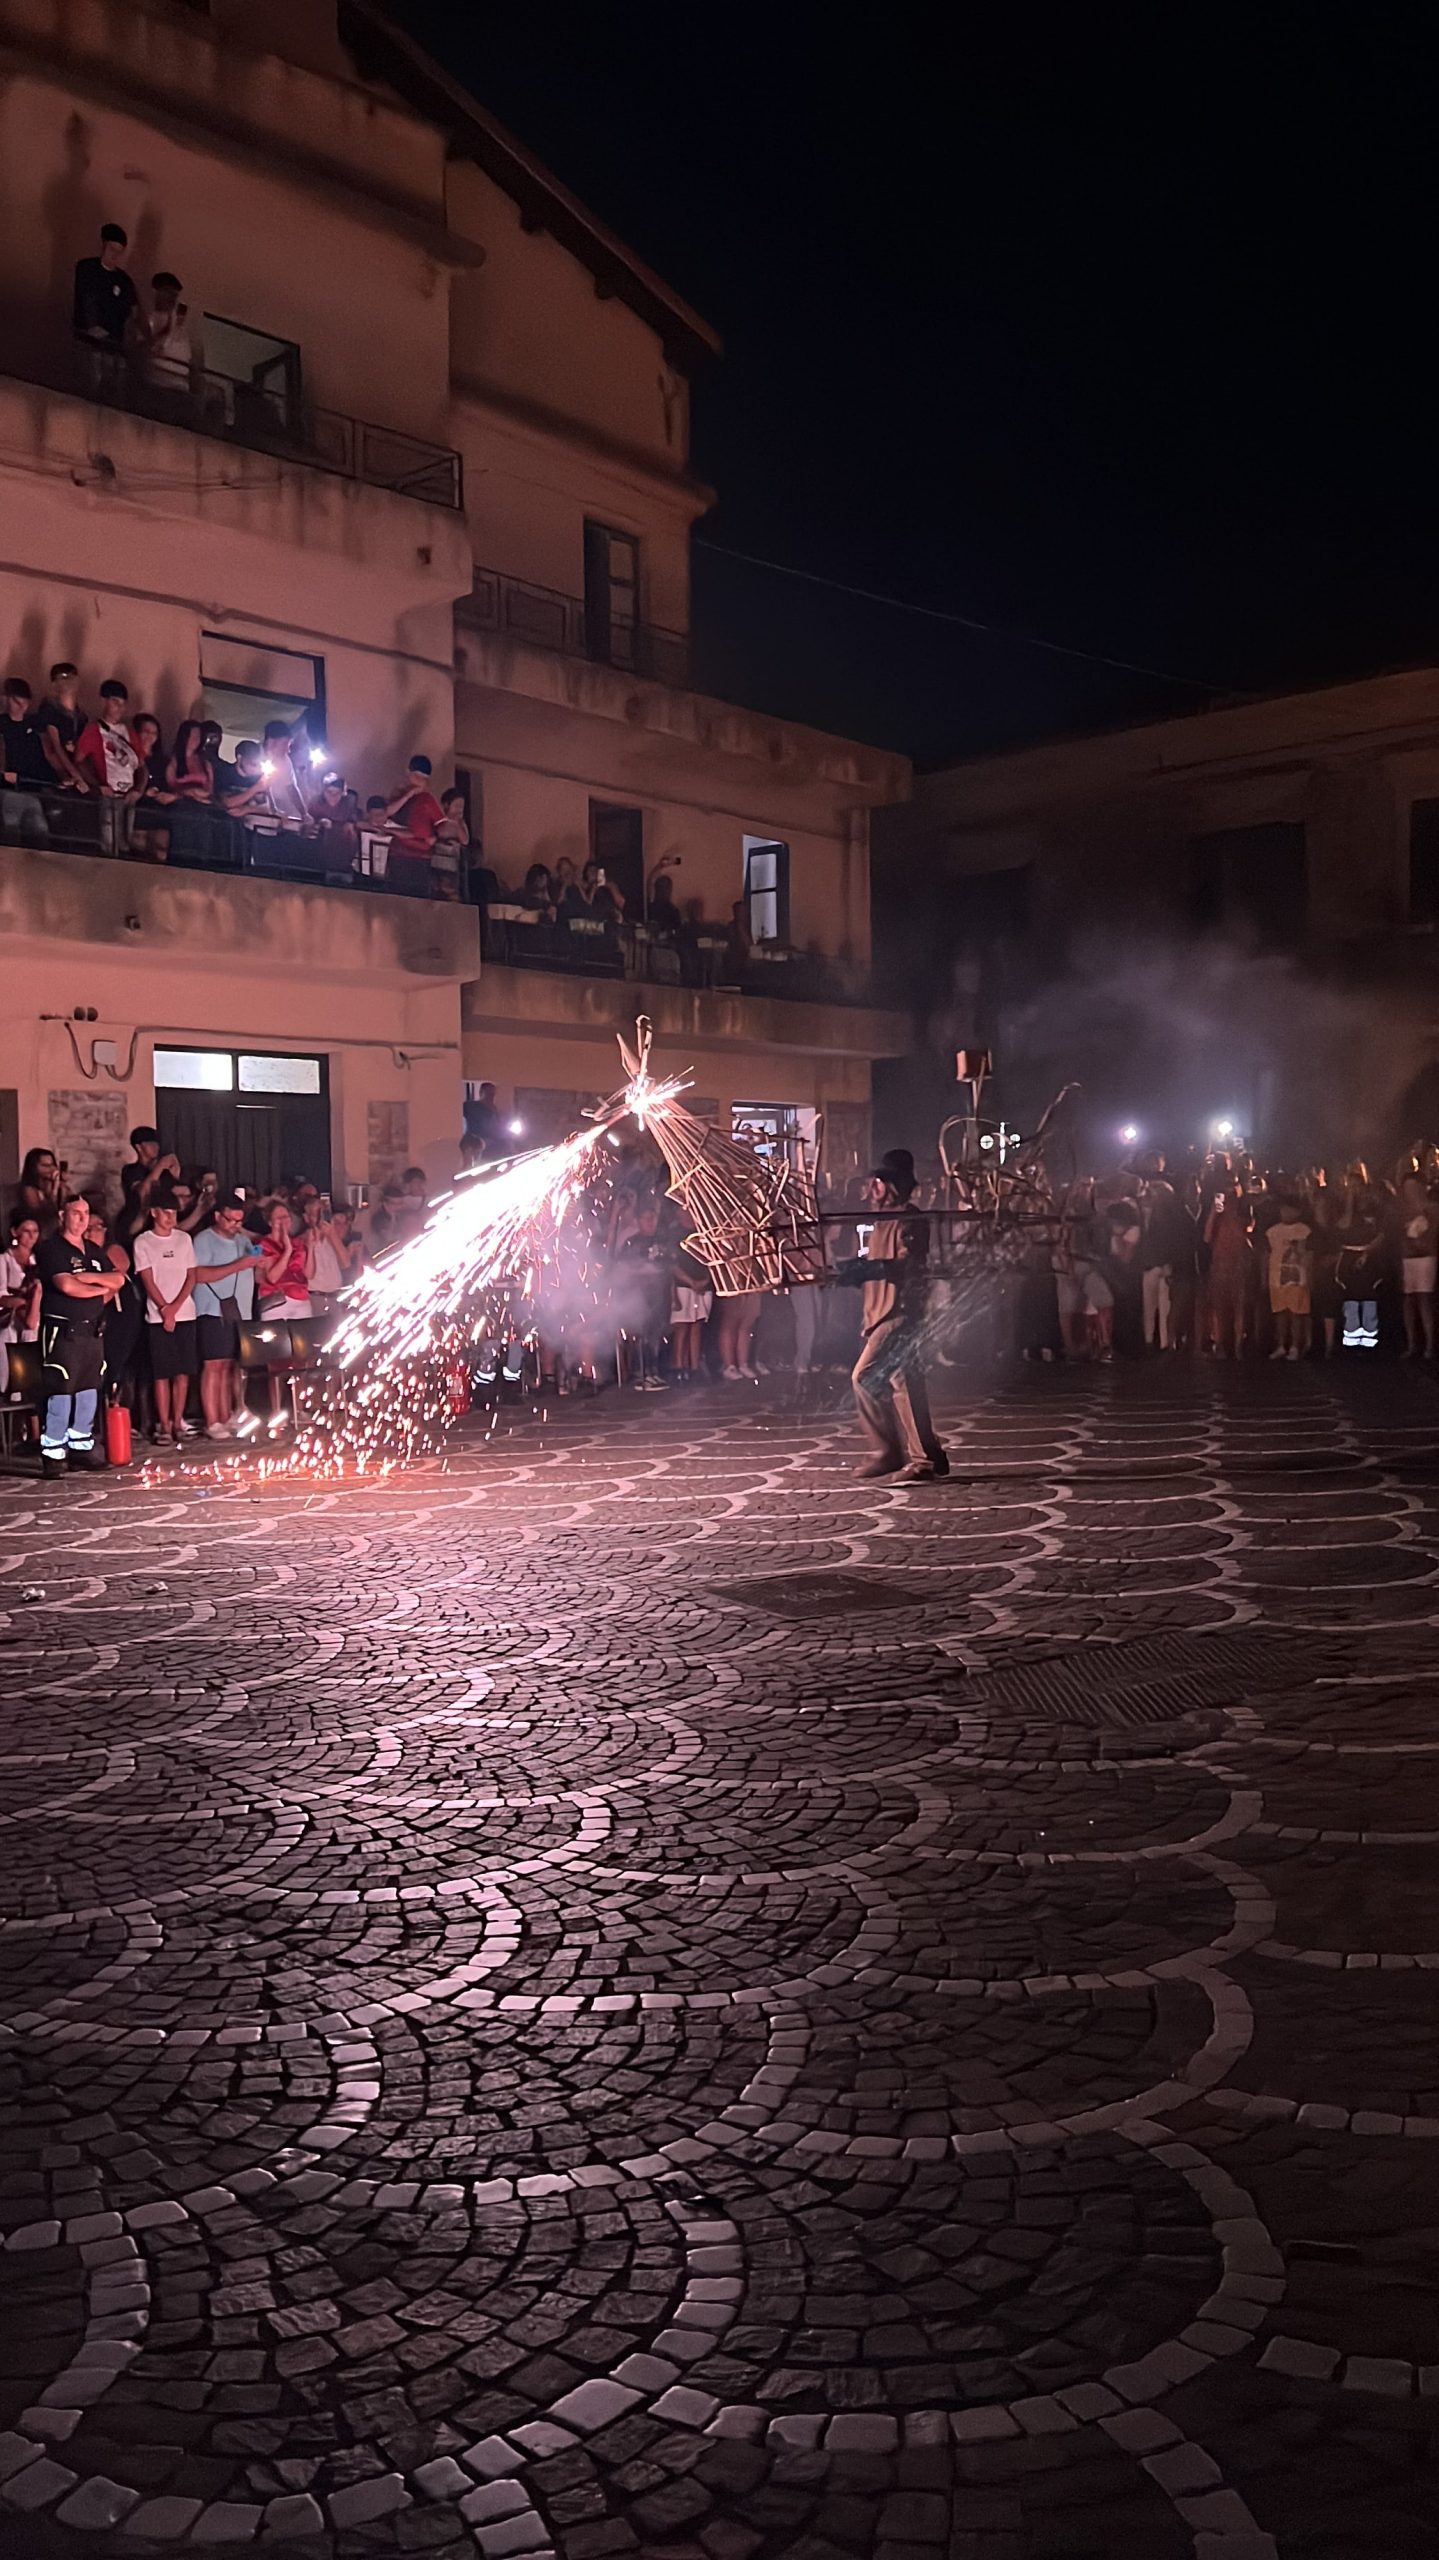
pixel 397 1369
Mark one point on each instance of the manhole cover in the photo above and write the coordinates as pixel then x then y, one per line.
pixel 817 1595
pixel 1143 1683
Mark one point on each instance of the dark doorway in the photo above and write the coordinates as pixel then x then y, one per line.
pixel 251 1116
pixel 617 843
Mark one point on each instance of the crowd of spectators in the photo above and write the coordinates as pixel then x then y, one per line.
pixel 109 782
pixel 193 1265
pixel 1227 1257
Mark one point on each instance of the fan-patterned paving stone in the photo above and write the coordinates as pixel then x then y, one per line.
pixel 512 2043
pixel 916 2065
pixel 1003 1922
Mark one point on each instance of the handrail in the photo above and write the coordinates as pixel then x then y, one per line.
pixel 547 618
pixel 263 417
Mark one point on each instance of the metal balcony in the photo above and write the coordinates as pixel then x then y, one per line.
pixel 264 415
pixel 547 619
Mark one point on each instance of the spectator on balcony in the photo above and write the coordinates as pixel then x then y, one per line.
pixel 287 790
pixel 165 335
pixel 187 774
pixel 212 748
pixel 60 721
pixel 247 795
pixel 106 308
pixel 741 939
pixel 452 844
pixel 413 814
pixel 665 922
pixel 106 756
pixel 540 892
pixel 152 815
pixel 603 896
pixel 333 828
pixel 24 773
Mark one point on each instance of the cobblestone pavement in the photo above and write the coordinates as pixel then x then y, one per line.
pixel 632 1993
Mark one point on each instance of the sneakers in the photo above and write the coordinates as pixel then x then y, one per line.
pixel 219 1431
pixel 93 1460
pixel 655 1386
pixel 52 1469
pixel 732 1377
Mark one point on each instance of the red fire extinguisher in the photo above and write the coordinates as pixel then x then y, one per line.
pixel 117 1434
pixel 457 1385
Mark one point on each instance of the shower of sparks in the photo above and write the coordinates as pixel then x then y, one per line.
pixel 397 1368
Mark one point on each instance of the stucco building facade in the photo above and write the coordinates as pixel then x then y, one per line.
pixel 429 490
pixel 1244 900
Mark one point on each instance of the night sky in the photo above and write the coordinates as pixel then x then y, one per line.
pixel 1115 343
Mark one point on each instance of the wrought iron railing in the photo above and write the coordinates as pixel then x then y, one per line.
pixel 548 619
pixel 263 416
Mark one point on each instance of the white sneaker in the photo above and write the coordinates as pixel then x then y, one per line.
pixel 219 1431
pixel 733 1375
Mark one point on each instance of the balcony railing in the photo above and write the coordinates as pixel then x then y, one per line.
pixel 547 619
pixel 703 955
pixel 204 839
pixel 264 416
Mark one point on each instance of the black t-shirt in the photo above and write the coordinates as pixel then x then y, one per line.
pixel 21 752
pixel 104 299
pixel 67 724
pixel 83 1315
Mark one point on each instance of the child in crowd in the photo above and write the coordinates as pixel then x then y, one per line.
pixel 1290 1247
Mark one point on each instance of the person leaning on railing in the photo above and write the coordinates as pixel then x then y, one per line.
pixel 24 773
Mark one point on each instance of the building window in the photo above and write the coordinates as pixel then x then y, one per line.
pixel 1424 862
pixel 245 684
pixel 612 595
pixel 195 1070
pixel 766 888
pixel 1251 882
pixel 617 844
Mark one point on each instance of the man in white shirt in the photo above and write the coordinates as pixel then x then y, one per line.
pixel 165 1269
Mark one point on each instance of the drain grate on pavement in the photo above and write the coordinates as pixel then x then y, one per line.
pixel 817 1595
pixel 1144 1683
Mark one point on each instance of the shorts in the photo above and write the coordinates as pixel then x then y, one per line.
pixel 172 1355
pixel 1288 1298
pixel 217 1338
pixel 1420 1272
pixel 691 1306
pixel 1069 1289
pixel 1098 1295
pixel 285 1311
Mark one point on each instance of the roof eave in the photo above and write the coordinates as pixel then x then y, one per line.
pixel 544 203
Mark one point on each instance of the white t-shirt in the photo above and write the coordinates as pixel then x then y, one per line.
pixel 14 1275
pixel 167 1259
pixel 327 1276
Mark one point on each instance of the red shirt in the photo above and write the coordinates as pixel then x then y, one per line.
pixel 419 818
